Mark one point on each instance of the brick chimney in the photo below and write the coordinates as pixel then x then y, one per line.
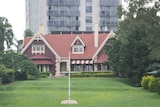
pixel 41 29
pixel 96 35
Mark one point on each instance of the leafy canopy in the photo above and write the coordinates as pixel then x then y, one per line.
pixel 28 33
pixel 6 34
pixel 135 44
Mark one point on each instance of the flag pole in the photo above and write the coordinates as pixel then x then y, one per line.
pixel 69 85
pixel 69 101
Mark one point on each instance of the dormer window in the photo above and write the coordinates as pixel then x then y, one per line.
pixel 38 49
pixel 77 46
pixel 78 49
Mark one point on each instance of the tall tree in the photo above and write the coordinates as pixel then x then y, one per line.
pixel 136 39
pixel 6 34
pixel 28 33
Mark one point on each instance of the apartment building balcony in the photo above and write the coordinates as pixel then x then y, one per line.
pixel 109 2
pixel 63 2
pixel 63 13
pixel 63 23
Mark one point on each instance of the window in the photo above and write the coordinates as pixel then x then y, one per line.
pixel 38 48
pixel 78 49
pixel 88 28
pixel 89 68
pixel 88 1
pixel 78 67
pixel 88 19
pixel 88 9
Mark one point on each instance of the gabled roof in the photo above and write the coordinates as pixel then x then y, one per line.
pixel 61 44
pixel 77 38
pixel 38 36
pixel 26 40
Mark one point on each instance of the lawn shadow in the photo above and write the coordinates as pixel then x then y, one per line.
pixel 124 81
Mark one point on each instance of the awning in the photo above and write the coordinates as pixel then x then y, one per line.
pixel 153 72
pixel 42 62
pixel 81 62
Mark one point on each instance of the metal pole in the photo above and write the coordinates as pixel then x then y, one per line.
pixel 69 85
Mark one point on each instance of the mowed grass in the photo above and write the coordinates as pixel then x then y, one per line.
pixel 89 92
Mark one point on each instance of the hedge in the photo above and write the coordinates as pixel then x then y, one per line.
pixel 93 74
pixel 44 74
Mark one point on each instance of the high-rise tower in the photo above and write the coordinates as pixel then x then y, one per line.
pixel 71 15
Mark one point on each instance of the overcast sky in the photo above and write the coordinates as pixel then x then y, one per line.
pixel 14 11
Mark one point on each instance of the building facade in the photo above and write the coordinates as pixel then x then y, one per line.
pixel 71 15
pixel 59 53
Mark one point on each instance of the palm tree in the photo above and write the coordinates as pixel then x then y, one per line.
pixel 6 34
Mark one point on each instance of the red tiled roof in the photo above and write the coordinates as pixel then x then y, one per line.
pixel 62 44
pixel 26 40
pixel 102 58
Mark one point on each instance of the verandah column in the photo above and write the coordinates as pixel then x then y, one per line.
pixel 95 67
pixel 57 67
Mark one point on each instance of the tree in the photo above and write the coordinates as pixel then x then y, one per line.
pixel 28 33
pixel 23 67
pixel 112 50
pixel 131 52
pixel 6 34
pixel 28 70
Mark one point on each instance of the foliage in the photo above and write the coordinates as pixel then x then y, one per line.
pixel 7 75
pixel 6 34
pixel 158 88
pixel 134 49
pixel 28 33
pixel 153 84
pixel 28 70
pixel 113 50
pixel 93 74
pixel 44 74
pixel 145 81
pixel 24 68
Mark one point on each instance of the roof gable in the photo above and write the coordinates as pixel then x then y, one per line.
pixel 110 35
pixel 77 41
pixel 62 43
pixel 38 37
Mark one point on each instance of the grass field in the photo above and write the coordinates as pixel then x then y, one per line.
pixel 89 92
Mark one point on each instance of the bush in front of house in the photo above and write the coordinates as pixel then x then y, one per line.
pixel 6 75
pixel 145 81
pixel 93 74
pixel 44 74
pixel 153 85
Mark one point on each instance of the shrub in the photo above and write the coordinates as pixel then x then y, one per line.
pixel 44 74
pixel 145 81
pixel 7 76
pixel 28 70
pixel 93 74
pixel 153 84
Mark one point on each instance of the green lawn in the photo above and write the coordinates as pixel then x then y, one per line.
pixel 89 92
